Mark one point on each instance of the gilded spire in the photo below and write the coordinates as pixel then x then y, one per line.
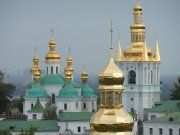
pixel 111 44
pixel 84 75
pixel 144 54
pixel 52 55
pixel 36 63
pixel 111 118
pixel 119 51
pixel 156 52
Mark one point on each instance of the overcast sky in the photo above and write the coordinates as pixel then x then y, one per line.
pixel 83 25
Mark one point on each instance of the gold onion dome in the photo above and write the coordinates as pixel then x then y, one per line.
pixel 37 75
pixel 69 62
pixel 84 76
pixel 36 64
pixel 111 118
pixel 52 55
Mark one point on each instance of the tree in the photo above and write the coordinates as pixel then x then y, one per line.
pixel 18 103
pixel 29 131
pixel 5 132
pixel 49 112
pixel 6 91
pixel 175 92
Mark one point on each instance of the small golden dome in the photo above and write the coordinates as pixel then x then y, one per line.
pixel 37 76
pixel 68 75
pixel 84 76
pixel 137 7
pixel 111 75
pixel 52 55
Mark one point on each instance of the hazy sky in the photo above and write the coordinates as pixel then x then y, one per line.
pixel 83 25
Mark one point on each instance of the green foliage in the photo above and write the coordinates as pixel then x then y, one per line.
pixel 5 132
pixel 49 112
pixel 18 103
pixel 29 131
pixel 175 92
pixel 6 90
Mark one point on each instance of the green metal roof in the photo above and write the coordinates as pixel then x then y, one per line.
pixel 75 84
pixel 52 79
pixel 75 116
pixel 166 106
pixel 165 119
pixel 36 91
pixel 43 125
pixel 68 91
pixel 87 92
pixel 38 108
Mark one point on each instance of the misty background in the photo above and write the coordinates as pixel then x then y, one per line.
pixel 84 25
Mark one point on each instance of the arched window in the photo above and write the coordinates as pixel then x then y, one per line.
pixel 84 105
pixel 51 70
pixel 34 116
pixel 157 75
pixel 53 98
pixel 57 70
pixel 65 106
pixel 132 77
pixel 32 106
pixel 145 75
pixel 47 69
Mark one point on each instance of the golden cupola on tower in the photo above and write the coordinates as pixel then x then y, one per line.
pixel 135 51
pixel 111 118
pixel 35 67
pixel 52 55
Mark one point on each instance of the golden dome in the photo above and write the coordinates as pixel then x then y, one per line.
pixel 35 67
pixel 137 7
pixel 37 76
pixel 84 76
pixel 111 75
pixel 52 55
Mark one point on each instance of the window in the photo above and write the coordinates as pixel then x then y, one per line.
pixel 132 77
pixel 170 131
pixel 56 70
pixel 53 98
pixel 34 116
pixel 47 69
pixel 150 131
pixel 84 105
pixel 153 116
pixel 160 131
pixel 132 110
pixel 79 129
pixel 92 103
pixel 76 104
pixel 65 106
pixel 32 105
pixel 51 70
pixel 145 74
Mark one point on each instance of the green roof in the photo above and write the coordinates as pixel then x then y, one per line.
pixel 75 84
pixel 36 90
pixel 75 116
pixel 166 106
pixel 38 108
pixel 166 118
pixel 52 79
pixel 43 125
pixel 87 92
pixel 68 91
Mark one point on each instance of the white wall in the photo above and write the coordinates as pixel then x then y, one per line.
pixel 73 125
pixel 165 126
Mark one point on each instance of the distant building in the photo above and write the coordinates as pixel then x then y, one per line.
pixel 163 119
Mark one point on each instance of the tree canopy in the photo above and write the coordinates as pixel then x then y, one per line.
pixel 175 92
